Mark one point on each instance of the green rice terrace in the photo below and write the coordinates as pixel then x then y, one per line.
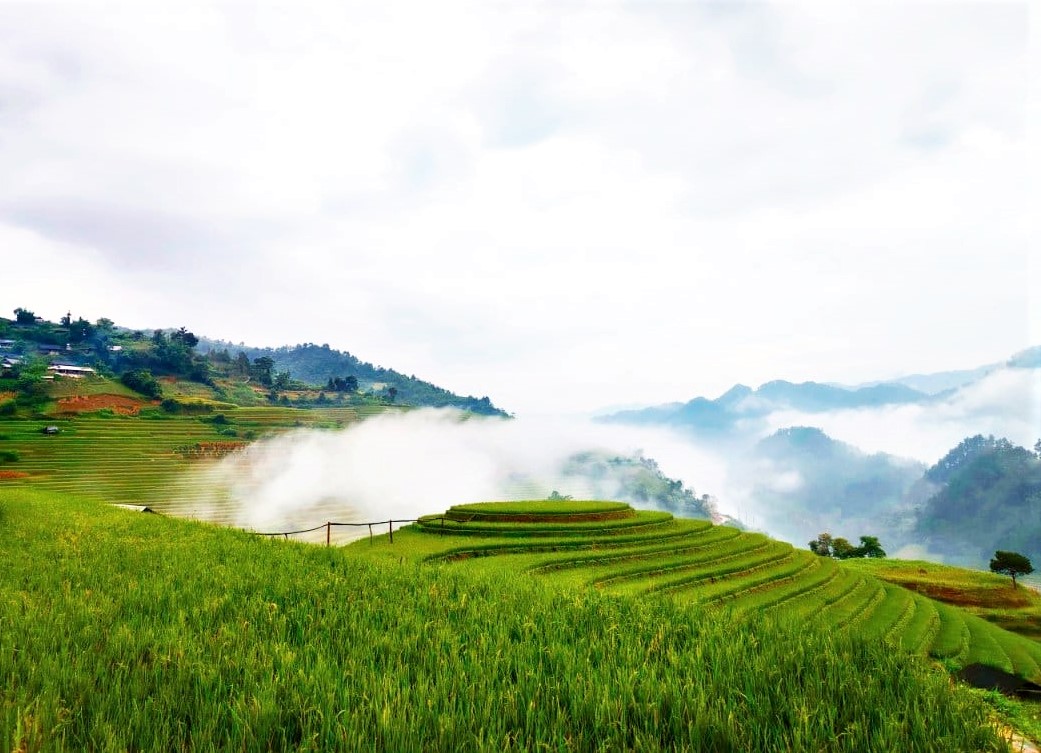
pixel 564 625
pixel 617 550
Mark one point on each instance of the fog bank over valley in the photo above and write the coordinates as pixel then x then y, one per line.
pixel 791 473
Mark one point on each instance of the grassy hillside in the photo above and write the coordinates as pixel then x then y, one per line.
pixel 121 631
pixel 144 458
pixel 303 375
pixel 986 594
pixel 651 554
pixel 491 626
pixel 989 498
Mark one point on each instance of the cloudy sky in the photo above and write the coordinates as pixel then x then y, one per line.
pixel 560 207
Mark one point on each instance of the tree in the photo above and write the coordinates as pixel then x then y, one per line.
pixel 24 316
pixel 843 550
pixel 869 547
pixel 261 370
pixel 242 364
pixel 1011 563
pixel 142 381
pixel 186 338
pixel 282 380
pixel 29 381
pixel 80 330
pixel 826 545
pixel 822 545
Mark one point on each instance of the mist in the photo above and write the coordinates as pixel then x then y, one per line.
pixel 402 465
pixel 1005 403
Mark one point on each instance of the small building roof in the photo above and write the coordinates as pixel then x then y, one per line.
pixel 70 368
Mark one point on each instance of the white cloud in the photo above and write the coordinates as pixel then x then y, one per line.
pixel 1005 403
pixel 557 207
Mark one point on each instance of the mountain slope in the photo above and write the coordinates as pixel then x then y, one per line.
pixel 990 499
pixel 724 414
pixel 806 483
pixel 316 364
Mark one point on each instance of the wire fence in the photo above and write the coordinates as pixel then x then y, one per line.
pixel 328 526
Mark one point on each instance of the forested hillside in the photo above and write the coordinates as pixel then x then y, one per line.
pixel 989 498
pixel 321 365
pixel 34 350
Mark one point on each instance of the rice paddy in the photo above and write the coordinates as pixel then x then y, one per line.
pixel 127 632
pixel 569 625
pixel 653 555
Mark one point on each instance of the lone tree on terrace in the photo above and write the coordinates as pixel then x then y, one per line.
pixel 1011 563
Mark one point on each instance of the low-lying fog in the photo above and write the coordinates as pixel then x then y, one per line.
pixel 402 465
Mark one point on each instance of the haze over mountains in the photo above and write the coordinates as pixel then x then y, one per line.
pixel 736 409
pixel 799 459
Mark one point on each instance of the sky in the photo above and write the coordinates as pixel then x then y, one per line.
pixel 561 206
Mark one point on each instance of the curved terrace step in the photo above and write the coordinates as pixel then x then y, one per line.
pixel 698 540
pixel 715 556
pixel 725 570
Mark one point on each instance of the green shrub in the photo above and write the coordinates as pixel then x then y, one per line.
pixel 142 381
pixel 9 456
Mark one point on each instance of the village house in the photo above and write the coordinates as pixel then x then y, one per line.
pixel 67 370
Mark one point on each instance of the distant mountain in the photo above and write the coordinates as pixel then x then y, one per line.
pixel 988 498
pixel 316 364
pixel 739 403
pixel 807 483
pixel 1026 359
pixel 942 381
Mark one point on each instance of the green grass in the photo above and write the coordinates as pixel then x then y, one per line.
pixel 986 594
pixel 516 556
pixel 688 561
pixel 129 632
pixel 536 509
pixel 60 388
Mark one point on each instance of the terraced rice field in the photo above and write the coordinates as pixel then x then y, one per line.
pixel 625 551
pixel 148 459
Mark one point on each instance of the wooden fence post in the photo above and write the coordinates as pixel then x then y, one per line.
pixel 390 527
pixel 370 533
pixel 328 529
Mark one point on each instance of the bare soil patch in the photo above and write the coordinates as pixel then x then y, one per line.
pixel 121 404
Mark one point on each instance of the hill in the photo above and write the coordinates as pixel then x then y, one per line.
pixel 808 482
pixel 988 498
pixel 321 366
pixel 303 375
pixel 239 642
pixel 731 411
pixel 738 405
pixel 993 597
pixel 249 639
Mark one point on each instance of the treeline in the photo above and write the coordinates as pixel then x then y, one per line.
pixel 28 344
pixel 322 366
pixel 989 498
